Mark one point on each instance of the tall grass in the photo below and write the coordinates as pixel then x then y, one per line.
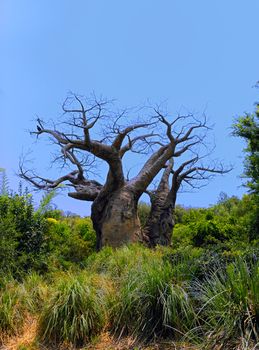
pixel 230 304
pixel 150 304
pixel 12 307
pixel 36 292
pixel 74 312
pixel 146 294
pixel 116 262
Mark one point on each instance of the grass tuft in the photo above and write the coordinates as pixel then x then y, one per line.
pixel 12 308
pixel 74 312
pixel 150 304
pixel 230 303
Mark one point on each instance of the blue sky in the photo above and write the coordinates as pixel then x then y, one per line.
pixel 200 55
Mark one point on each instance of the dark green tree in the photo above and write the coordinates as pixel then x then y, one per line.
pixel 247 127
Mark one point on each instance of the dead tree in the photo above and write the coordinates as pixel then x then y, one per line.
pixel 160 223
pixel 114 207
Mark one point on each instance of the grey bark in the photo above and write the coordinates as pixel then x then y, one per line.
pixel 160 223
pixel 114 208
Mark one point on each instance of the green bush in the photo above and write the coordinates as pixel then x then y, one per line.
pixel 143 212
pixel 22 233
pixel 8 246
pixel 69 242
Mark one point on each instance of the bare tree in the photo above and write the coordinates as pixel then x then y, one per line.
pixel 160 223
pixel 114 208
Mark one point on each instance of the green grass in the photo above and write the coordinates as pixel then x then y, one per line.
pixel 74 313
pixel 12 307
pixel 230 303
pixel 149 303
pixel 142 293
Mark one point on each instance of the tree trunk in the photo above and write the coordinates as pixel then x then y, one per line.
pixel 115 218
pixel 160 223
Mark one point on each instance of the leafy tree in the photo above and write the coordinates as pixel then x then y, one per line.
pixel 247 127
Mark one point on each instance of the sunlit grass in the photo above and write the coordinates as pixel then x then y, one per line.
pixel 74 313
pixel 150 303
pixel 12 307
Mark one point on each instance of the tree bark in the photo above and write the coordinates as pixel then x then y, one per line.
pixel 159 226
pixel 160 223
pixel 115 218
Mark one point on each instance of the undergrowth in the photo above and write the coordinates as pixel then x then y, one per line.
pixel 141 293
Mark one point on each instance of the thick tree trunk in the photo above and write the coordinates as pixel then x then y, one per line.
pixel 160 224
pixel 115 218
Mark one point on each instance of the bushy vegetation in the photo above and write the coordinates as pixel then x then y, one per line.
pixel 40 240
pixel 142 293
pixel 203 290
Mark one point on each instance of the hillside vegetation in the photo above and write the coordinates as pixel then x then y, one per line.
pixel 202 292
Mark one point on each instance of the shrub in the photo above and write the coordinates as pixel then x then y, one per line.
pixel 69 241
pixel 8 245
pixel 143 213
pixel 22 231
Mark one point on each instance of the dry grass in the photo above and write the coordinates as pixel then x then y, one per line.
pixel 26 340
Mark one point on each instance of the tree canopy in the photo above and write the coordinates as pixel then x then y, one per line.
pixel 247 127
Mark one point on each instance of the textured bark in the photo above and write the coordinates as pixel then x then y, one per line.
pixel 160 223
pixel 115 218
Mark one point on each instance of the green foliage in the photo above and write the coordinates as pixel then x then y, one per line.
pixel 229 224
pixel 21 234
pixel 247 127
pixel 45 203
pixel 8 245
pixel 33 240
pixel 70 241
pixel 74 313
pixel 143 212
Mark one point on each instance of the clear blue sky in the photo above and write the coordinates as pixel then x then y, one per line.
pixel 197 54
